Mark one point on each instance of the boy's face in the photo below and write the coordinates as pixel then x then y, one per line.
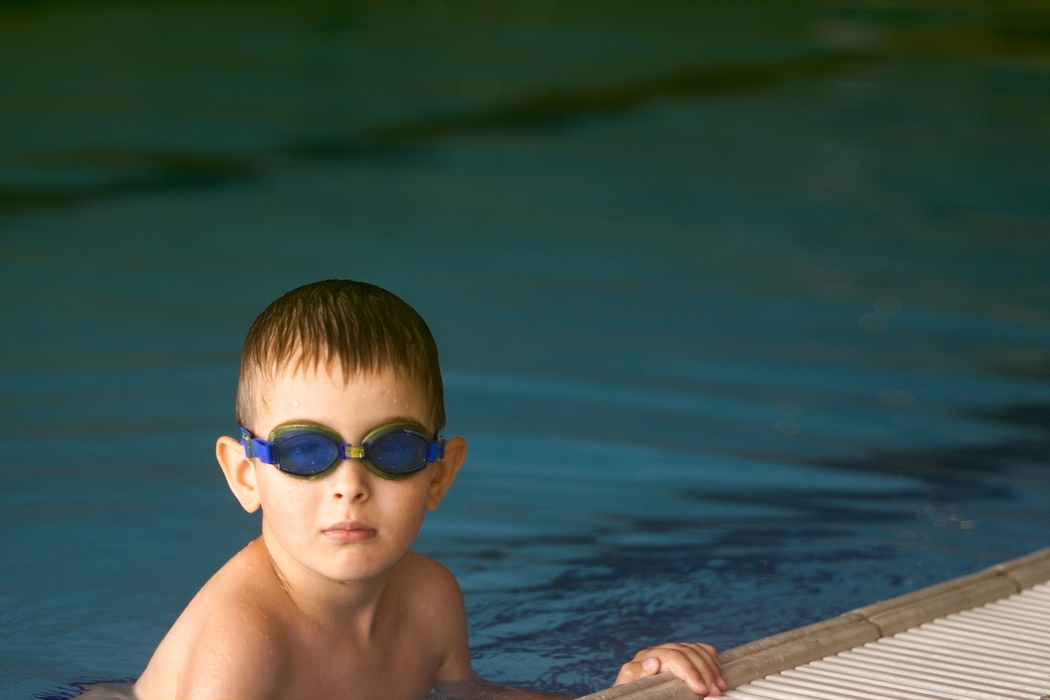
pixel 348 523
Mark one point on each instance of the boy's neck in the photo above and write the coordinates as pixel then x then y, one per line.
pixel 335 605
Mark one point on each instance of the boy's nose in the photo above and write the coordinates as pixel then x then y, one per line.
pixel 349 480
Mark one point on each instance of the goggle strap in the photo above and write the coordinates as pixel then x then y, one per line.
pixel 255 447
pixel 437 450
pixel 265 451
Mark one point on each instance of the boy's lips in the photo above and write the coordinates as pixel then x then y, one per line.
pixel 349 531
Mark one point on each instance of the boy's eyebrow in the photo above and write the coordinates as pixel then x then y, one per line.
pixel 400 419
pixel 385 421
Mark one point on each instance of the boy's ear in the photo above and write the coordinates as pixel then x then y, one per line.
pixel 239 471
pixel 445 470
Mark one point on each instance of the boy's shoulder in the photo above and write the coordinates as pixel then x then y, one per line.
pixel 424 576
pixel 427 591
pixel 428 598
pixel 235 616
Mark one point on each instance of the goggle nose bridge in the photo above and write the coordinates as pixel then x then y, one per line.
pixel 352 451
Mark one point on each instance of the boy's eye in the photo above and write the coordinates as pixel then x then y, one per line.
pixel 309 453
pixel 398 451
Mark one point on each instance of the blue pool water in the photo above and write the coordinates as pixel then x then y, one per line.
pixel 731 357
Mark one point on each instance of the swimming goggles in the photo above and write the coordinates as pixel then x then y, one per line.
pixel 392 451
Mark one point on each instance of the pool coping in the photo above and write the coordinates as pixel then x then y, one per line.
pixel 802 645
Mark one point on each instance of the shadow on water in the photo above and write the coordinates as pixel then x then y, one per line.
pixel 956 472
pixel 114 689
pixel 557 107
pixel 841 49
pixel 408 142
pixel 156 172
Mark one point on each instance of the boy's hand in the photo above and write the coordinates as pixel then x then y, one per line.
pixel 696 664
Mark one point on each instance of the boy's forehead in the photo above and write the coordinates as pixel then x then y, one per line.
pixel 295 386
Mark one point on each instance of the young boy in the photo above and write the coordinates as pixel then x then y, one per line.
pixel 341 403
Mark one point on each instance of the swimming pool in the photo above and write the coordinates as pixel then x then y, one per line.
pixel 729 361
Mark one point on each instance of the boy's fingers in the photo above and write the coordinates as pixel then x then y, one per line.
pixel 694 663
pixel 640 668
pixel 706 647
pixel 707 656
pixel 695 667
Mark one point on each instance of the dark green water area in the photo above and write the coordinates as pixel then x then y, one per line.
pixel 744 307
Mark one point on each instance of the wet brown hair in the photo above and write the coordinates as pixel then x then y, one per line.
pixel 360 326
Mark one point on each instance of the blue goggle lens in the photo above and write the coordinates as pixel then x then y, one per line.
pixel 398 452
pixel 306 454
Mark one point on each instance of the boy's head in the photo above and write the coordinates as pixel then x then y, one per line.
pixel 345 359
pixel 353 325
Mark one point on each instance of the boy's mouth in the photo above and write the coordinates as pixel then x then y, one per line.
pixel 352 531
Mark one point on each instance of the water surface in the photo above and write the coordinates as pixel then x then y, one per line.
pixel 744 310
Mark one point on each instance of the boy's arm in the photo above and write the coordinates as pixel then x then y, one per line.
pixel 696 664
pixel 445 614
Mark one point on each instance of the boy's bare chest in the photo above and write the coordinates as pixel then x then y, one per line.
pixel 391 666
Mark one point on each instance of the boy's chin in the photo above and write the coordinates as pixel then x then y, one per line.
pixel 356 569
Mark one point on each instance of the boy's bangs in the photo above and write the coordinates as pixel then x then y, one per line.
pixel 353 325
